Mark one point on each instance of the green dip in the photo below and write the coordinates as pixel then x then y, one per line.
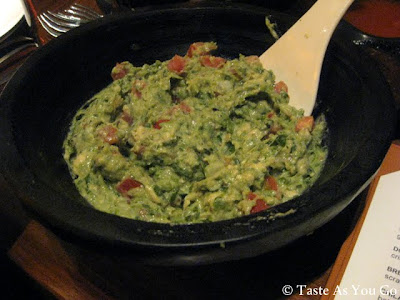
pixel 193 139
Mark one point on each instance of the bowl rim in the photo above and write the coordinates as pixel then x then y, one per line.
pixel 370 35
pixel 361 38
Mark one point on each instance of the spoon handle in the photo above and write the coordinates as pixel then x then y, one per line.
pixel 296 58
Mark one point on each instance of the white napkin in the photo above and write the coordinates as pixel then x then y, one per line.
pixel 11 12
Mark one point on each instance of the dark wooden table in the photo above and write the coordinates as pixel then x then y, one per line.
pixel 47 266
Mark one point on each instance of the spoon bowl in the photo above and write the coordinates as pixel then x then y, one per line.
pixel 296 58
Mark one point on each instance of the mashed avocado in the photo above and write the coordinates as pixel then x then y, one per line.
pixel 194 139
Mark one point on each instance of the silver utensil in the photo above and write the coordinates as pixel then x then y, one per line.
pixel 13 53
pixel 57 23
pixel 9 48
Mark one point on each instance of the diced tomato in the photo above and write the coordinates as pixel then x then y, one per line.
pixel 270 183
pixel 127 184
pixel 185 108
pixel 127 118
pixel 270 114
pixel 200 48
pixel 281 86
pixel 177 64
pixel 157 124
pixel 259 206
pixel 109 134
pixel 137 93
pixel 193 49
pixel 119 71
pixel 235 73
pixel 252 59
pixel 251 196
pixel 305 123
pixel 212 61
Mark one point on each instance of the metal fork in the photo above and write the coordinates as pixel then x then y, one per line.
pixel 57 23
pixel 13 52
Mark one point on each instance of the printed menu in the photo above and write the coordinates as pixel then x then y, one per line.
pixel 373 271
pixel 368 264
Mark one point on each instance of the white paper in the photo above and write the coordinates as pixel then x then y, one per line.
pixel 373 271
pixel 11 11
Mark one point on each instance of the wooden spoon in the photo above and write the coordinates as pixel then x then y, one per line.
pixel 297 57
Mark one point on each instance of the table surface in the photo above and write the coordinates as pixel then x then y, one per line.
pixel 64 271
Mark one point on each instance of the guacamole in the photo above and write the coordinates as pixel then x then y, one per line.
pixel 197 138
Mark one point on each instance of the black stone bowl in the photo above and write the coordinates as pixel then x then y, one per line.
pixel 360 38
pixel 39 102
pixel 275 4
